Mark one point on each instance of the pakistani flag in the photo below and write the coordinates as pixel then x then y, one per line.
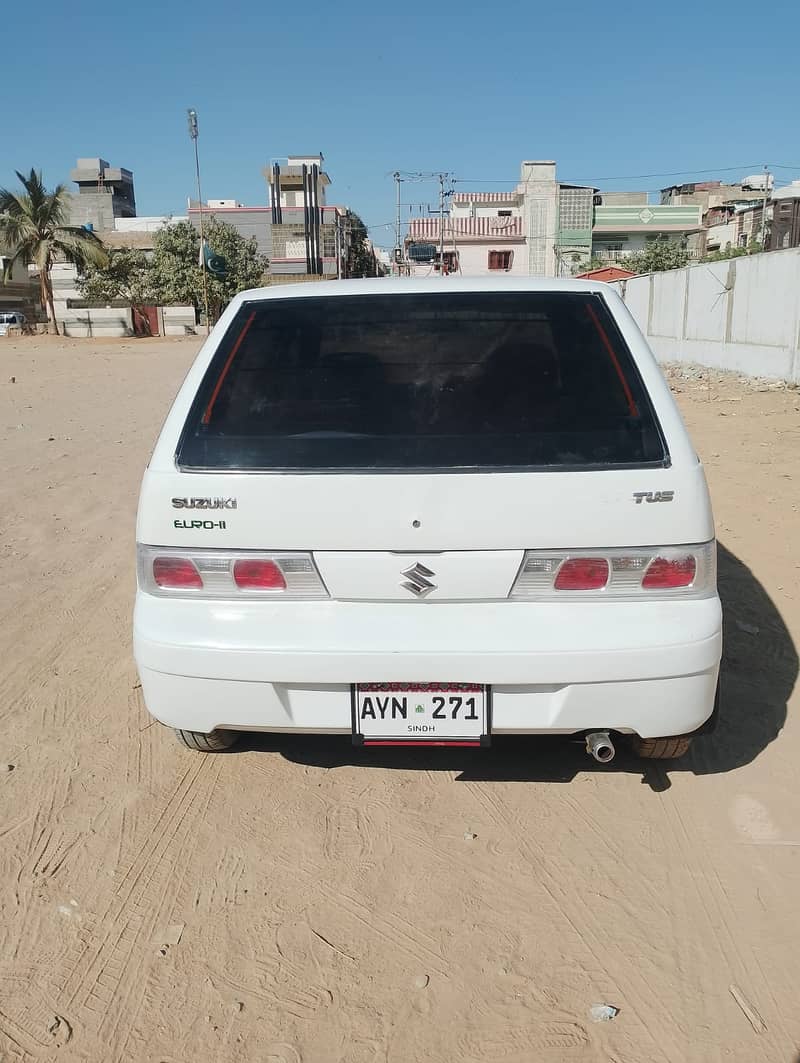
pixel 215 264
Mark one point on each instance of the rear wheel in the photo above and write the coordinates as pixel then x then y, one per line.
pixel 660 748
pixel 212 742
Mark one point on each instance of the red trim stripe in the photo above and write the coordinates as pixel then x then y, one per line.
pixel 418 742
pixel 632 409
pixel 225 368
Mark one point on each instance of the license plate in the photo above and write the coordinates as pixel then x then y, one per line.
pixel 439 714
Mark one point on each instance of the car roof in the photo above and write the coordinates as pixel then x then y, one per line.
pixel 419 286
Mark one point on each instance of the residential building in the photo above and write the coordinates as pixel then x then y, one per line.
pixel 576 206
pixel 21 289
pixel 624 199
pixel 732 213
pixel 104 194
pixel 483 234
pixel 247 221
pixel 384 258
pixel 730 225
pixel 706 194
pixel 620 231
pixel 147 224
pixel 540 228
pixel 308 237
pixel 786 217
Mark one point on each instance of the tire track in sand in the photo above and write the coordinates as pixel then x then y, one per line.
pixel 102 976
pixel 580 918
pixel 714 902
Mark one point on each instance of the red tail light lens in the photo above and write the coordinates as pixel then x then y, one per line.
pixel 663 574
pixel 258 575
pixel 642 573
pixel 582 574
pixel 176 572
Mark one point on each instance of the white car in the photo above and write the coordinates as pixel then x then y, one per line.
pixel 11 319
pixel 428 512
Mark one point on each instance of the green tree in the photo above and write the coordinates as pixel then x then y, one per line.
pixel 660 254
pixel 244 266
pixel 360 256
pixel 126 275
pixel 733 252
pixel 585 265
pixel 33 226
pixel 175 273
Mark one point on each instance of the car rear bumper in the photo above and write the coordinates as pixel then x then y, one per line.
pixel 650 668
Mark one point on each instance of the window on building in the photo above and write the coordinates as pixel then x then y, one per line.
pixel 501 259
pixel 296 247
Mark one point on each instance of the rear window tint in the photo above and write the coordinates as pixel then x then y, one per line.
pixel 445 381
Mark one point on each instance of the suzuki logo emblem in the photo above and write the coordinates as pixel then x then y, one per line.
pixel 417 580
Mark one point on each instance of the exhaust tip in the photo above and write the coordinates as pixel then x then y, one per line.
pixel 600 746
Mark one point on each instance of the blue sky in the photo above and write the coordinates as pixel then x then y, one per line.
pixel 608 91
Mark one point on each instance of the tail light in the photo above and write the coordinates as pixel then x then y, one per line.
pixel 622 574
pixel 258 574
pixel 582 574
pixel 664 574
pixel 244 574
pixel 176 572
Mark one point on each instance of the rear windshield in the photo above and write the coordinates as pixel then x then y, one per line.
pixel 469 381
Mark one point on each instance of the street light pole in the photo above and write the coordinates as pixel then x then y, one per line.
pixel 193 134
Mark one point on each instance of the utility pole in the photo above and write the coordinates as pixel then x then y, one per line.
pixel 193 134
pixel 764 210
pixel 338 247
pixel 398 256
pixel 441 223
pixel 346 246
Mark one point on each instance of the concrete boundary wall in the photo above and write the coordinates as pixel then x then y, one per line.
pixel 118 321
pixel 100 322
pixel 741 315
pixel 177 320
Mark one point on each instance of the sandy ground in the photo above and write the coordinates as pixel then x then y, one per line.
pixel 300 902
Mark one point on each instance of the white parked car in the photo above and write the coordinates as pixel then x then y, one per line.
pixel 428 511
pixel 11 319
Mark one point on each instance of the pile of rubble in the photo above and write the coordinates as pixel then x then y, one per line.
pixel 701 375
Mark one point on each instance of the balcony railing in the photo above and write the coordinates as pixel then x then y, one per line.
pixel 620 256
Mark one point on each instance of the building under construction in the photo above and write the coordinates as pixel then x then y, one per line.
pixel 104 193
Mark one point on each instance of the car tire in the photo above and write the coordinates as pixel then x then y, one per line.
pixel 661 748
pixel 212 742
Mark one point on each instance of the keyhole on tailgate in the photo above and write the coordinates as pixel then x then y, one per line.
pixel 415 523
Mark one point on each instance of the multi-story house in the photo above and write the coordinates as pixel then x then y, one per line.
pixel 308 236
pixel 540 228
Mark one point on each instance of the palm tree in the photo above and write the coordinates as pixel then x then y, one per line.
pixel 33 229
